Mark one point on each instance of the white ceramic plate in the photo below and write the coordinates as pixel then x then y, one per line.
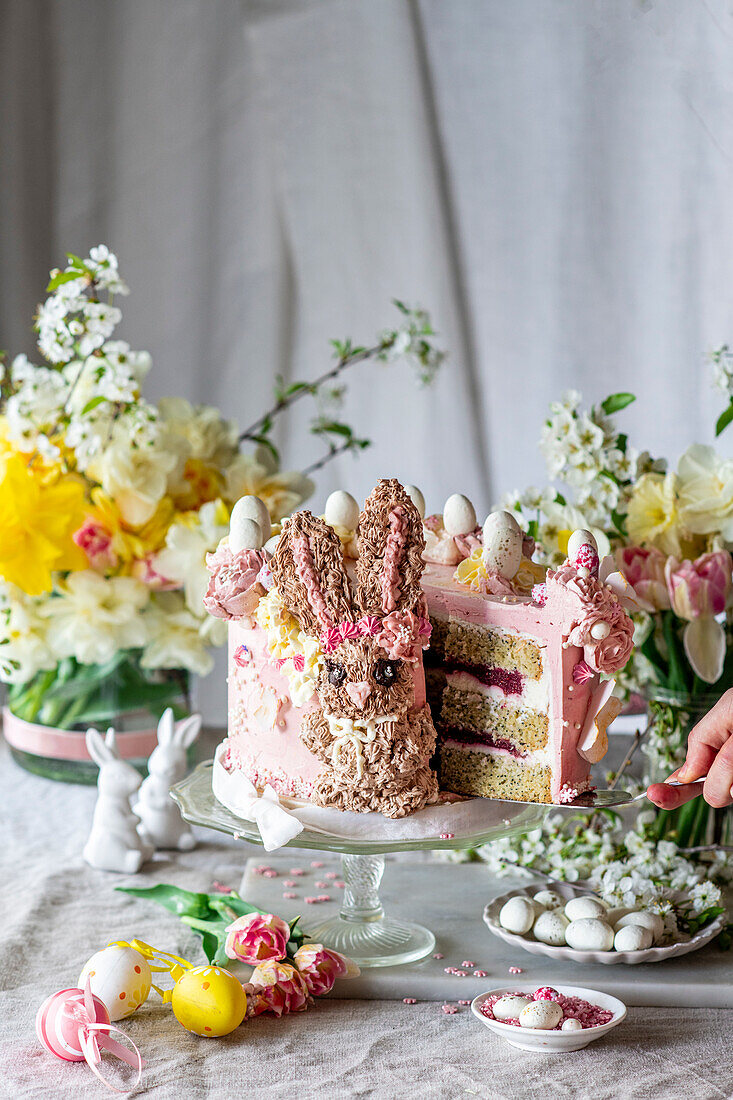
pixel 552 1042
pixel 630 958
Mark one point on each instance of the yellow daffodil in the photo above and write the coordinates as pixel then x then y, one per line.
pixel 38 516
pixel 653 519
pixel 138 544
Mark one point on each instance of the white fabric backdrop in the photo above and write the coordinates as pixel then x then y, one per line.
pixel 552 178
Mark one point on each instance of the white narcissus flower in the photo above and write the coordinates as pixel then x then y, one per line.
pixel 186 545
pixel 92 617
pixel 24 648
pixel 135 477
pixel 174 636
pixel 257 475
pixel 706 491
pixel 209 436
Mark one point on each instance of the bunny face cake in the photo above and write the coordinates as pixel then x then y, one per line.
pixel 372 731
pixel 333 623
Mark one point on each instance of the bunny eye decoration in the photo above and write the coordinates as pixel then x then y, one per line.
pixel 336 673
pixel 374 740
pixel 386 672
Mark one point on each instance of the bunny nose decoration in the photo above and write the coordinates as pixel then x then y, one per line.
pixel 359 693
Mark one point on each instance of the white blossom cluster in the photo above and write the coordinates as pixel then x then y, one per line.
pixel 596 467
pixel 722 361
pixel 92 389
pixel 412 340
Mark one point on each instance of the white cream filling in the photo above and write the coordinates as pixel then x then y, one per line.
pixel 535 696
pixel 541 757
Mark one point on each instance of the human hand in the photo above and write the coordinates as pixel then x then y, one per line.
pixel 710 754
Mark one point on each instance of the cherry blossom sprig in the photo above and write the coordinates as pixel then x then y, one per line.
pixel 411 340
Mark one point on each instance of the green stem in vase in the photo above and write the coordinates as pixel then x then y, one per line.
pixel 678 667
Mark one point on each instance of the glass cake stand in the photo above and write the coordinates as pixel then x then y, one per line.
pixel 362 930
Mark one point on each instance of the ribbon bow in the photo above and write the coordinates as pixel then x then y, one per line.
pixel 276 826
pixel 356 732
pixel 93 1033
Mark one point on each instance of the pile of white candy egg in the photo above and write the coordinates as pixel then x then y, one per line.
pixel 584 923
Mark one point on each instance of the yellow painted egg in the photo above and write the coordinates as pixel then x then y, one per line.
pixel 120 977
pixel 209 1001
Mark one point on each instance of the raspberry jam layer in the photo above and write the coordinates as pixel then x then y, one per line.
pixel 472 737
pixel 511 683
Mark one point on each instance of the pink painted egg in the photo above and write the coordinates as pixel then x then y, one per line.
pixel 56 1025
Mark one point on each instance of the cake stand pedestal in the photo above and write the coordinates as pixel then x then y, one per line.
pixel 362 930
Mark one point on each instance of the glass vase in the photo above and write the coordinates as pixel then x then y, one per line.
pixel 673 715
pixel 45 720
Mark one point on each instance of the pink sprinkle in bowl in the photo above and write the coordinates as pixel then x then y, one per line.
pixel 551 1042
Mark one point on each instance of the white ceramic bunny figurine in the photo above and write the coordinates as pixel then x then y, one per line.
pixel 161 821
pixel 114 843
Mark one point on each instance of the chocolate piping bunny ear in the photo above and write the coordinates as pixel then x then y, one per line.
pixel 390 542
pixel 308 569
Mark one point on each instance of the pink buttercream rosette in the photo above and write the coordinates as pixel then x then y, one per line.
pixel 234 588
pixel 597 604
pixel 403 635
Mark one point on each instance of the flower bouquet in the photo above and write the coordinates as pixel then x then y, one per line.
pixel 669 532
pixel 108 506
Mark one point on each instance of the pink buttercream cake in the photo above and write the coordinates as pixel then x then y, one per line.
pixel 513 672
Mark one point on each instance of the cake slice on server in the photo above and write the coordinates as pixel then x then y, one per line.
pixel 517 657
pixel 329 623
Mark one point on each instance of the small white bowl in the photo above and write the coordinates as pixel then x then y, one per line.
pixel 552 1042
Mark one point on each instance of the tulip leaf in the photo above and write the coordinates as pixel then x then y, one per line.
pixel 617 401
pixel 184 903
pixel 724 420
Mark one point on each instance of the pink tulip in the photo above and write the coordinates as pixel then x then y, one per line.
pixel 257 938
pixel 644 570
pixel 320 967
pixel 278 988
pixel 96 542
pixel 701 588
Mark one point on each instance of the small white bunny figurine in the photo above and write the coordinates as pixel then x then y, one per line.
pixel 114 843
pixel 161 821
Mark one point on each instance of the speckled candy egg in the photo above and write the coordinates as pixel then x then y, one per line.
pixel 209 1001
pixel 571 1024
pixel 632 937
pixel 245 534
pixel 578 908
pixel 417 499
pixel 652 921
pixel 119 976
pixel 550 927
pixel 517 915
pixel 509 1008
pixel 459 515
pixel 589 934
pixel 548 899
pixel 251 507
pixel 342 510
pixel 502 543
pixel 544 1015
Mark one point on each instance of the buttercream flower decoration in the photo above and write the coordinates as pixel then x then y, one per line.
pixel 699 590
pixel 39 513
pixel 256 938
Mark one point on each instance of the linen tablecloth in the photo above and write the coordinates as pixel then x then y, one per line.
pixel 56 911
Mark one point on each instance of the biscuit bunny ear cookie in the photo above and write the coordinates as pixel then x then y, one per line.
pixel 308 569
pixel 390 544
